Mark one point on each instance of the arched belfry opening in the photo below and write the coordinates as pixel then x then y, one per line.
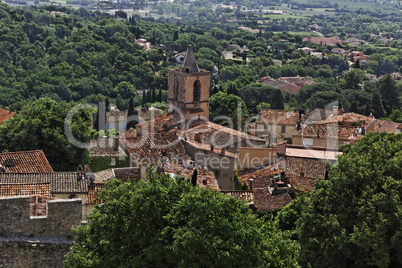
pixel 197 90
pixel 176 89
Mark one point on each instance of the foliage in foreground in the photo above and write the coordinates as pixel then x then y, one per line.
pixel 166 223
pixel 355 218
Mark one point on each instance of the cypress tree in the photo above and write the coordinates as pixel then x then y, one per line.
pixel 132 112
pixel 107 105
pixel 149 96
pixel 377 106
pixel 153 96
pixel 144 100
pixel 194 177
pixel 175 35
pixel 277 100
pixel 160 95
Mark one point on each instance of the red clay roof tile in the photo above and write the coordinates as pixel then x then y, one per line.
pixel 25 162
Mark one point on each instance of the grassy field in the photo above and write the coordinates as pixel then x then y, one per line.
pixel 103 163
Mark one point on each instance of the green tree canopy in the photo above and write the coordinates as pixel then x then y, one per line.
pixel 354 219
pixel 167 223
pixel 40 126
pixel 222 104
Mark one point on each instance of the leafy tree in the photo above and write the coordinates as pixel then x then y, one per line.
pixel 125 90
pixel 186 226
pixel 40 126
pixel 323 98
pixel 395 116
pixel 354 219
pixel 222 104
pixel 277 100
pixel 255 93
pixel 354 78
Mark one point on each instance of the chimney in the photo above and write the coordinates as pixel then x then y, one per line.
pixel 212 147
pixel 198 137
pixel 352 141
pixel 335 110
pixel 281 148
pixel 115 144
pixel 251 184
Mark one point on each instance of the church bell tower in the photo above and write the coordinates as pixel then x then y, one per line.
pixel 188 87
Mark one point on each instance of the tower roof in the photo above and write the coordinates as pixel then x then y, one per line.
pixel 189 61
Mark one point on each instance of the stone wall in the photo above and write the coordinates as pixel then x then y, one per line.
pixel 41 241
pixel 32 253
pixel 250 157
pixel 308 167
pixel 15 218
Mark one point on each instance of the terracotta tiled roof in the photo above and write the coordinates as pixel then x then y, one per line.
pixel 25 162
pixel 60 182
pixel 279 117
pixel 310 167
pixel 311 153
pixel 220 136
pixel 292 88
pixel 242 195
pixel 267 202
pixel 155 146
pixel 350 119
pixel 273 82
pixel 386 126
pixel 104 175
pixel 317 114
pixel 104 147
pixel 94 192
pixel 261 175
pixel 205 178
pixel 157 124
pixel 17 189
pixel 302 184
pixel 4 115
pixel 207 147
pixel 329 41
pixel 324 131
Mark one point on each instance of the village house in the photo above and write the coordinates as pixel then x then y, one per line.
pixel 326 41
pixel 179 57
pixel 63 185
pixel 4 115
pixel 291 84
pixel 338 50
pixel 356 55
pixel 275 126
pixel 333 132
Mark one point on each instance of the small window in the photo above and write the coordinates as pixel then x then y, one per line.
pixel 197 90
pixel 266 127
pixel 283 129
pixel 274 140
pixel 187 70
pixel 176 89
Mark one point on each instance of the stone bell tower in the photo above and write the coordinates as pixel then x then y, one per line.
pixel 188 87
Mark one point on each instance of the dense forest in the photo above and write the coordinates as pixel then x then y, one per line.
pixel 89 56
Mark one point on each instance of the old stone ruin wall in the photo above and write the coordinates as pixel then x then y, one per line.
pixel 36 241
